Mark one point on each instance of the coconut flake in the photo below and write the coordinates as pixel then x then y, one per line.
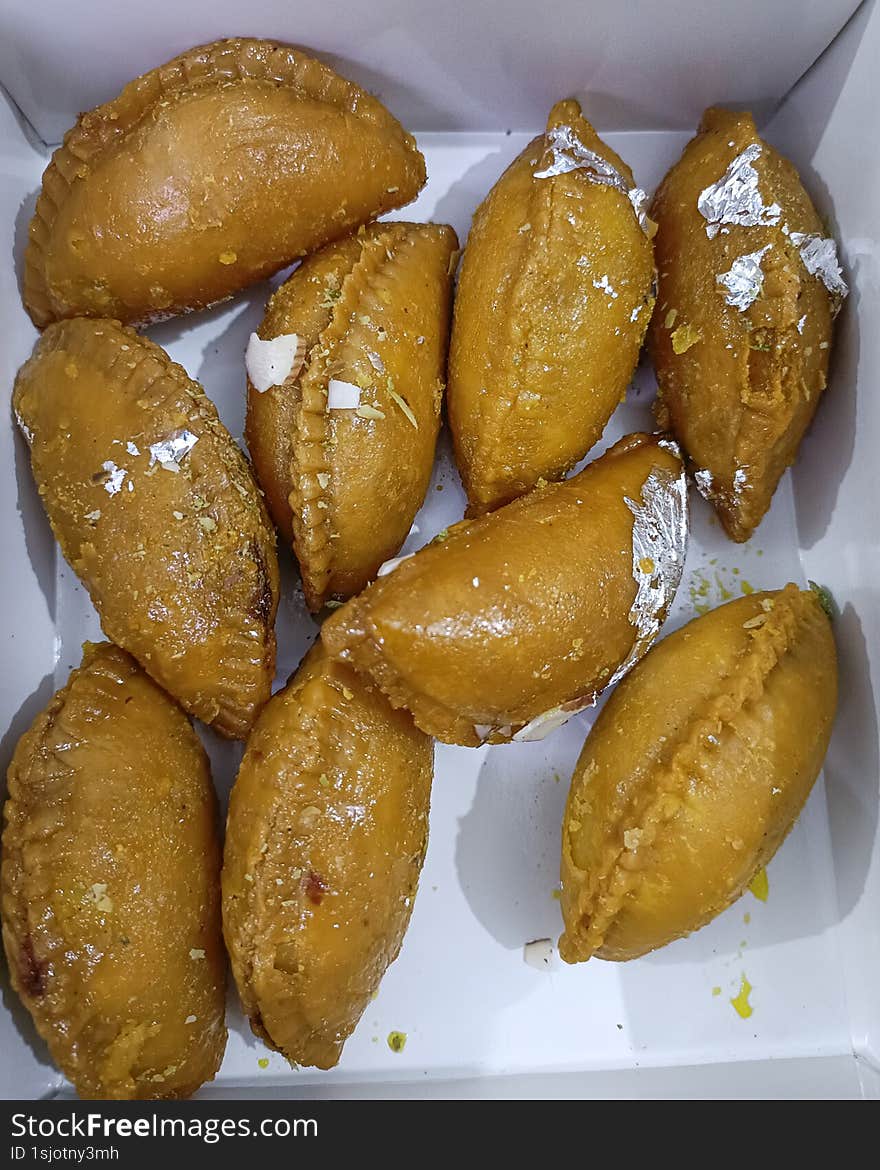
pixel 735 197
pixel 819 254
pixel 342 395
pixel 169 452
pixel 745 279
pixel 539 954
pixel 543 724
pixel 389 566
pixel 270 363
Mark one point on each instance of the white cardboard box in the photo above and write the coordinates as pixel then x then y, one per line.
pixel 475 80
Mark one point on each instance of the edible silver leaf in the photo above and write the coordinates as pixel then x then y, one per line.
pixel 639 199
pixel 703 479
pixel 114 478
pixel 169 452
pixel 740 482
pixel 568 153
pixel 819 254
pixel 659 546
pixel 735 197
pixel 744 280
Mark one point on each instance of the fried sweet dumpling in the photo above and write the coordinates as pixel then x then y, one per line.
pixel 344 407
pixel 327 829
pixel 740 339
pixel 694 772
pixel 205 175
pixel 507 625
pixel 554 297
pixel 110 886
pixel 155 508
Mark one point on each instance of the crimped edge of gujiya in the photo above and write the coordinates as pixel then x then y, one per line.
pixel 311 498
pixel 491 479
pixel 111 348
pixel 217 63
pixel 604 889
pixel 315 705
pixel 311 504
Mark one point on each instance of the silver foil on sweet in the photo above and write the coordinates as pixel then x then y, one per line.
pixel 704 480
pixel 744 280
pixel 736 197
pixel 169 452
pixel 819 255
pixel 568 153
pixel 659 547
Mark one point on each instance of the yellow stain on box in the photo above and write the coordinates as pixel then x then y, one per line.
pixel 740 1002
pixel 263 1062
pixel 716 990
pixel 760 885
pixel 397 1041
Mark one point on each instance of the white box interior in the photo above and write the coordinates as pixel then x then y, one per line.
pixel 477 81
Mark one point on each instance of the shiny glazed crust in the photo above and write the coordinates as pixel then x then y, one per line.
pixel 110 898
pixel 327 829
pixel 519 612
pixel 181 564
pixel 744 386
pixel 274 155
pixel 373 311
pixel 554 297
pixel 694 773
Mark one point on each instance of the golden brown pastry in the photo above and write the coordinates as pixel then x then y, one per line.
pixel 110 886
pixel 694 772
pixel 205 175
pixel 740 338
pixel 327 829
pixel 155 508
pixel 505 626
pixel 343 432
pixel 554 297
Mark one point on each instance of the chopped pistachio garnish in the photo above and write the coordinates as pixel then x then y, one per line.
pixel 97 895
pixel 670 318
pixel 196 953
pixel 369 412
pixel 323 478
pixel 227 257
pixel 404 405
pixel 441 535
pixel 208 523
pixel 323 781
pixel 824 597
pixel 684 337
